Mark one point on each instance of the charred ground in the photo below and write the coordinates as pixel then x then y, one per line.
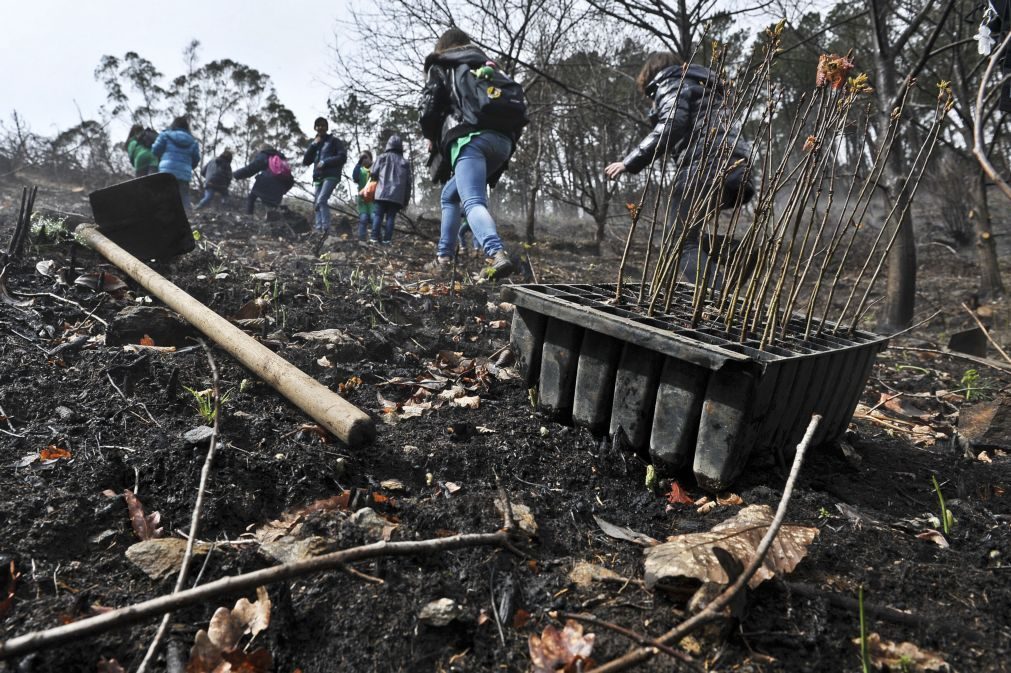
pixel 123 415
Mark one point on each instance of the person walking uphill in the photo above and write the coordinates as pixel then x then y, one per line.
pixel 178 153
pixel 326 154
pixel 217 178
pixel 472 115
pixel 138 148
pixel 366 208
pixel 392 173
pixel 691 125
pixel 273 178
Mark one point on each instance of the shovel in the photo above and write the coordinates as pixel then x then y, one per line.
pixel 144 218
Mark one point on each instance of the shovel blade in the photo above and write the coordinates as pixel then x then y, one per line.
pixel 144 216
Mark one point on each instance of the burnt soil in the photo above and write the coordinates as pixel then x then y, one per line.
pixel 122 414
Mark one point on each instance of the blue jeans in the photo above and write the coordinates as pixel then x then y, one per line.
pixel 209 193
pixel 365 222
pixel 324 188
pixel 184 194
pixel 468 189
pixel 385 210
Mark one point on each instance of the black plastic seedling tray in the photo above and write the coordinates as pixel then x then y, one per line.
pixel 687 396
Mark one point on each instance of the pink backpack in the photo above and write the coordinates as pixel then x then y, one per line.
pixel 278 166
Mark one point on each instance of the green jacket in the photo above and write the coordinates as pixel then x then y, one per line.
pixel 141 158
pixel 361 176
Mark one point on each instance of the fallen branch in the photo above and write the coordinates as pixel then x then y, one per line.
pixel 977 120
pixel 712 611
pixel 86 628
pixel 198 507
pixel 986 362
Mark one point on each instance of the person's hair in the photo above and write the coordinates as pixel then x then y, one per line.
pixel 135 131
pixel 181 122
pixel 227 155
pixel 365 153
pixel 320 119
pixel 454 37
pixel 655 62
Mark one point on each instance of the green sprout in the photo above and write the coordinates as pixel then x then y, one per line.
pixel 651 478
pixel 947 520
pixel 205 402
pixel 324 271
pixel 970 382
pixel 824 513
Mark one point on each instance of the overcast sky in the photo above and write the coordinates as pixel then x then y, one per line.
pixel 50 48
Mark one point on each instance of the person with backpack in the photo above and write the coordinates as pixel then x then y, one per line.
pixel 138 148
pixel 326 154
pixel 366 207
pixel 273 178
pixel 472 115
pixel 217 178
pixel 178 153
pixel 392 173
pixel 691 126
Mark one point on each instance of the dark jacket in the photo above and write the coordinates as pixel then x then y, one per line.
pixel 267 186
pixel 327 157
pixel 393 173
pixel 440 114
pixel 218 174
pixel 681 113
pixel 178 153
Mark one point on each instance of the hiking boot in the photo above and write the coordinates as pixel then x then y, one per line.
pixel 440 264
pixel 501 266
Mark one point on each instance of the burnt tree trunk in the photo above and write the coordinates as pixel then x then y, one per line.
pixel 991 285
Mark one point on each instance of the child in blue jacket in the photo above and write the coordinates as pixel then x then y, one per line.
pixel 178 153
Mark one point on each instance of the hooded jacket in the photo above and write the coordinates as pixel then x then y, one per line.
pixel 439 113
pixel 267 186
pixel 218 174
pixel 687 108
pixel 178 153
pixel 141 158
pixel 327 157
pixel 393 173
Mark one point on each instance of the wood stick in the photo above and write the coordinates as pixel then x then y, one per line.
pixel 85 628
pixel 986 332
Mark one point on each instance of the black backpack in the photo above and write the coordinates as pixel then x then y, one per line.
pixel 147 137
pixel 488 99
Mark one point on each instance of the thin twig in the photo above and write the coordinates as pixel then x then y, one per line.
pixel 632 635
pixel 91 626
pixel 713 611
pixel 198 506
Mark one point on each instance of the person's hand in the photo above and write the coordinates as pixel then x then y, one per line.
pixel 612 171
pixel 429 145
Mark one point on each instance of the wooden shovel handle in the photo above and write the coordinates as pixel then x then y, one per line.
pixel 346 421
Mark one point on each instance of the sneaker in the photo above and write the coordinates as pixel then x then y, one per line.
pixel 501 266
pixel 440 264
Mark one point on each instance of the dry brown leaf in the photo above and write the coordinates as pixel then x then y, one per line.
pixel 904 656
pixel 467 402
pixel 146 340
pixel 729 499
pixel 678 495
pixel 935 536
pixel 567 650
pixel 903 407
pixel 53 452
pixel 623 533
pixel 690 556
pixel 216 650
pixel 144 525
pixel 522 515
pixel 584 574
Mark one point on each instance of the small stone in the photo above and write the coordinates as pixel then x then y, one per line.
pixel 544 431
pixel 373 524
pixel 161 557
pixel 99 538
pixel 64 413
pixel 198 436
pixel 440 612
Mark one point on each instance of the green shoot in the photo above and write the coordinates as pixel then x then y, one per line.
pixel 651 478
pixel 865 657
pixel 947 520
pixel 205 402
pixel 824 513
pixel 970 382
